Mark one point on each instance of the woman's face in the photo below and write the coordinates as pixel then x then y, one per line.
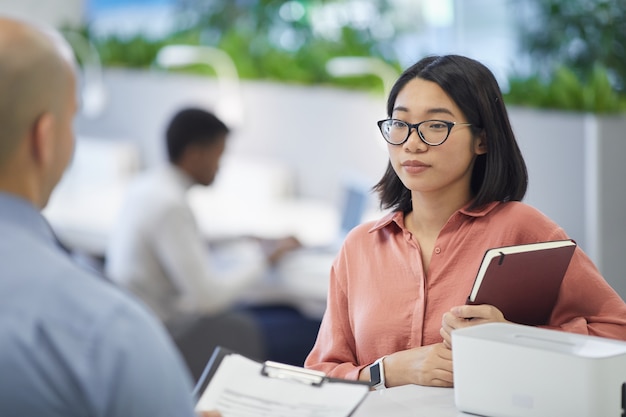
pixel 434 170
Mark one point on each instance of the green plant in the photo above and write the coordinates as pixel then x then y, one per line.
pixel 579 34
pixel 264 41
pixel 578 56
pixel 565 90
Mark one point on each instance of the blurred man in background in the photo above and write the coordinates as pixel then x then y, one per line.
pixel 158 251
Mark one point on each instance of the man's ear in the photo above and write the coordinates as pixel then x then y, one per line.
pixel 480 144
pixel 42 139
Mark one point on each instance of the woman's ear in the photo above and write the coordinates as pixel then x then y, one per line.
pixel 480 143
pixel 42 139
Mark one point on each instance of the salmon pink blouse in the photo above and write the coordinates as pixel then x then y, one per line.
pixel 380 301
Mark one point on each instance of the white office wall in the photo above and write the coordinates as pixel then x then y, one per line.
pixel 609 198
pixel 553 145
pixel 321 134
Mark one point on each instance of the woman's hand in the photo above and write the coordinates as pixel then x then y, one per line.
pixel 468 315
pixel 209 414
pixel 426 365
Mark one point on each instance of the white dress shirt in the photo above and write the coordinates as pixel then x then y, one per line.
pixel 159 253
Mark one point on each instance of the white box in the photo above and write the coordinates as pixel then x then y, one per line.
pixel 511 370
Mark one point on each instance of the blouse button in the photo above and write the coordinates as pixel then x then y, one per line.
pixel 437 250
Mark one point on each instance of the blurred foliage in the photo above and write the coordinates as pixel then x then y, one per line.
pixel 565 91
pixel 578 55
pixel 261 41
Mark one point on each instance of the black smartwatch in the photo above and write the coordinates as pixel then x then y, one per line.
pixel 377 374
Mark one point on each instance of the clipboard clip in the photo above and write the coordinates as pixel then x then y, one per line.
pixel 295 373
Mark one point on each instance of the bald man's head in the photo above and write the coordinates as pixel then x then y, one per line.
pixel 36 69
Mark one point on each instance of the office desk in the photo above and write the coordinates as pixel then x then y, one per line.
pixel 300 279
pixel 410 401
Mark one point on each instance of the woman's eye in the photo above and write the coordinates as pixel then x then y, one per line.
pixel 437 125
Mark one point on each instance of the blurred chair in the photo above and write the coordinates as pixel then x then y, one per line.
pixel 197 338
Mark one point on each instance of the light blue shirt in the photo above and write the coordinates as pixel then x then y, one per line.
pixel 71 343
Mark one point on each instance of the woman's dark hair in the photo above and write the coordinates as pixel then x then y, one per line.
pixel 192 126
pixel 498 175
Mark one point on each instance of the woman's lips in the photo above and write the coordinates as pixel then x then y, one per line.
pixel 414 167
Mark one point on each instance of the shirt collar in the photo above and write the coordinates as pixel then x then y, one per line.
pixel 180 176
pixel 397 217
pixel 25 215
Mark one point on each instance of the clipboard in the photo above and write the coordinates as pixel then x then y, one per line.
pixel 236 385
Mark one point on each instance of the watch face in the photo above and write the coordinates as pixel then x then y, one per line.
pixel 375 374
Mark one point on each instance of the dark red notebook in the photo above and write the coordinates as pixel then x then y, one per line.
pixel 523 281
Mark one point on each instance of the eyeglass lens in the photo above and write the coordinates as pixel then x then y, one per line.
pixel 431 131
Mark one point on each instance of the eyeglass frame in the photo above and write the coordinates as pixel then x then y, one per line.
pixel 416 126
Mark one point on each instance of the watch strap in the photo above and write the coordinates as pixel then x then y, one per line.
pixel 377 374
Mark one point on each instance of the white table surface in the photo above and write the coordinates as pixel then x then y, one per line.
pixel 299 279
pixel 409 401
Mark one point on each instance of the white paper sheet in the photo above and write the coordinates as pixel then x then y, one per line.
pixel 239 389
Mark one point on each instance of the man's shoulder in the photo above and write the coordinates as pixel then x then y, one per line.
pixel 56 290
pixel 85 329
pixel 81 311
pixel 43 282
pixel 155 190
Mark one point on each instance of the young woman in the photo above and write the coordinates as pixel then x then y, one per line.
pixel 454 183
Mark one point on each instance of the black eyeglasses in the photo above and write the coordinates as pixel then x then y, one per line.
pixel 431 132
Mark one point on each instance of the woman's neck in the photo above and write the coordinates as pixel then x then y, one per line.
pixel 430 214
